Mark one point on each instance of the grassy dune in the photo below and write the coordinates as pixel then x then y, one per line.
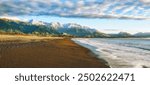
pixel 24 38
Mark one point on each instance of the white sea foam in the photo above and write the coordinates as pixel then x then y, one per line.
pixel 122 53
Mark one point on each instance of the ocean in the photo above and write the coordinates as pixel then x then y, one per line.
pixel 120 52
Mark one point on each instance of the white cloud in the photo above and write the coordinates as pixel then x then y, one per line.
pixel 78 8
pixel 80 3
pixel 10 17
pixel 131 8
pixel 145 1
pixel 69 4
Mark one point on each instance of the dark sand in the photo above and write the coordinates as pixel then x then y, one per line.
pixel 62 53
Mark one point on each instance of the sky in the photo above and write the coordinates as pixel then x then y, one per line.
pixel 109 16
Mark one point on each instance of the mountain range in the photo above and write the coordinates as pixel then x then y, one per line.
pixel 56 29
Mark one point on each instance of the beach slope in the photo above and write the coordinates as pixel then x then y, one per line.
pixel 46 53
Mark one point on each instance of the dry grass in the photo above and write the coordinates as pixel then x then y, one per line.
pixel 24 38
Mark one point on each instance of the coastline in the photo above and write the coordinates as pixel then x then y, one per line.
pixel 119 53
pixel 92 53
pixel 47 53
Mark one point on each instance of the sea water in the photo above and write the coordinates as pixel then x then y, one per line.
pixel 120 52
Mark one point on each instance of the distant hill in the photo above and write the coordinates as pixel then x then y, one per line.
pixel 53 29
pixel 141 34
pixel 56 29
pixel 121 35
pixel 11 26
pixel 35 22
pixel 80 31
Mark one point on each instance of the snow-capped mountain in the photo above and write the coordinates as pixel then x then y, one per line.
pixel 36 22
pixel 72 25
pixel 53 28
pixel 77 27
pixel 71 29
pixel 55 25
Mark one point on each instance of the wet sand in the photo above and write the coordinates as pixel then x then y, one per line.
pixel 49 53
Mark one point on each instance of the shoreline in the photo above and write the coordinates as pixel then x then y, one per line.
pixel 93 53
pixel 49 53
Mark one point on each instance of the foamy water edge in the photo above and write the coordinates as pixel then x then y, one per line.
pixel 114 54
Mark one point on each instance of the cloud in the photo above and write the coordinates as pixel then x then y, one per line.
pixel 10 17
pixel 145 1
pixel 120 9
